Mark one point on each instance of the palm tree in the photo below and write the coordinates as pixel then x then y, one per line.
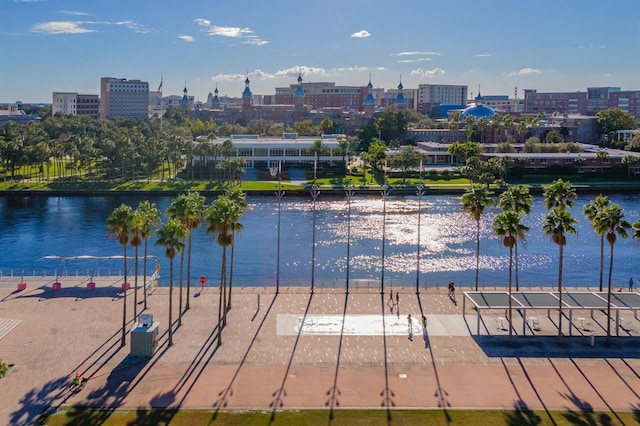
pixel 136 242
pixel 119 224
pixel 474 201
pixel 150 217
pixel 195 211
pixel 507 225
pixel 236 196
pixel 171 235
pixel 559 194
pixel 591 211
pixel 610 222
pixel 179 209
pixel 219 217
pixel 317 148
pixel 557 224
pixel 516 198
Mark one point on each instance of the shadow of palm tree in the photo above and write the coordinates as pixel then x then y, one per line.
pixel 522 415
pixel 280 393
pixel 34 403
pixel 334 392
pixel 584 415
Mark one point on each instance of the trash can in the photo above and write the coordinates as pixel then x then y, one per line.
pixel 144 336
pixel 593 339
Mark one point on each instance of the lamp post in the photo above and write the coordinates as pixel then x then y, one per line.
pixel 420 193
pixel 349 191
pixel 279 194
pixel 385 193
pixel 314 194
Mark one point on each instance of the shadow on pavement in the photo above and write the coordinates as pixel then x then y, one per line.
pixel 278 395
pixel 552 346
pixel 334 392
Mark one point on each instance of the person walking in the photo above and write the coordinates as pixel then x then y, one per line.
pixel 630 284
pixel 410 324
pixel 390 302
pixel 397 300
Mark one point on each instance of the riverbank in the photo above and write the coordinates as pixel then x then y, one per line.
pixel 268 362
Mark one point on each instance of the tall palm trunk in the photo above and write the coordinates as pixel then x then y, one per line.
pixel 123 341
pixel 231 270
pixel 135 289
pixel 602 260
pixel 510 301
pixel 477 252
pixel 180 296
pixel 609 298
pixel 144 266
pixel 517 267
pixel 186 306
pixel 223 273
pixel 171 301
pixel 560 291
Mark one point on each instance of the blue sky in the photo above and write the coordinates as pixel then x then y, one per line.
pixel 548 45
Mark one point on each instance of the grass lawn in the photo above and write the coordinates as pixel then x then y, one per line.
pixel 82 416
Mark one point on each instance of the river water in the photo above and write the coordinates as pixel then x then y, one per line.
pixel 32 227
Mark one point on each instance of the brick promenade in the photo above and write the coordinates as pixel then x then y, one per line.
pixel 265 363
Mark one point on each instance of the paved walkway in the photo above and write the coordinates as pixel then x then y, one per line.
pixel 292 350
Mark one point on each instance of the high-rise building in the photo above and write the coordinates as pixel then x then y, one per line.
pixel 432 96
pixel 73 103
pixel 120 97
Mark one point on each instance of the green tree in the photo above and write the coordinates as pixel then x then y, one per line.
pixel 238 198
pixel 171 236
pixel 317 149
pixel 610 222
pixel 474 201
pixel 150 217
pixel 219 218
pixel 406 158
pixel 137 223
pixel 518 199
pixel 591 211
pixel 557 224
pixel 119 224
pixel 559 194
pixel 609 121
pixel 463 151
pixel 508 226
pixel 179 210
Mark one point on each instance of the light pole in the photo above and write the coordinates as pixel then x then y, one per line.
pixel 349 191
pixel 420 193
pixel 314 194
pixel 279 195
pixel 385 193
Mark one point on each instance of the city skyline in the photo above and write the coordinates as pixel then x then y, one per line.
pixel 495 45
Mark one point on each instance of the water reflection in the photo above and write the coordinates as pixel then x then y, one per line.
pixel 35 226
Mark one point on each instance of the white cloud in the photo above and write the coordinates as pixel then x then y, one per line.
pixel 524 71
pixel 138 28
pixel 60 27
pixel 246 35
pixel 186 38
pixel 353 69
pixel 361 34
pixel 428 53
pixel 409 61
pixel 73 13
pixel 483 55
pixel 303 69
pixel 427 73
pixel 234 32
pixel 255 41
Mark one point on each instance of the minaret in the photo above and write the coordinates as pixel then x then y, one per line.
pixel 400 103
pixel 299 95
pixel 215 102
pixel 184 102
pixel 369 102
pixel 246 97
